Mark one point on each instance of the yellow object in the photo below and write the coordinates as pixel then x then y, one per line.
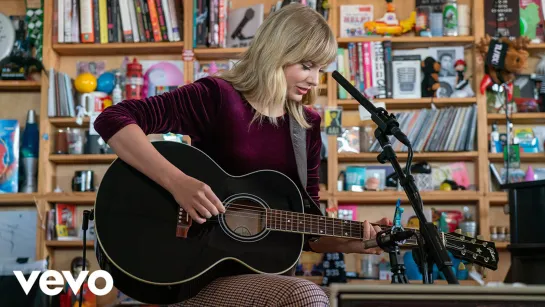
pixel 389 25
pixel 445 187
pixel 85 83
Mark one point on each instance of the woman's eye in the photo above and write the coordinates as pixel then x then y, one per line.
pixel 305 67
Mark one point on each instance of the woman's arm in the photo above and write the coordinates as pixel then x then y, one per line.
pixel 190 110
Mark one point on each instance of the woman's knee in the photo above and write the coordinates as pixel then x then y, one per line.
pixel 304 293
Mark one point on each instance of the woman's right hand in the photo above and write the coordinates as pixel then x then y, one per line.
pixel 196 198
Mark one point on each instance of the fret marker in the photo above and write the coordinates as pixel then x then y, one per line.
pixel 346 233
pixel 321 231
pixel 289 221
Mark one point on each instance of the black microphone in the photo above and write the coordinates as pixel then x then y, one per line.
pixel 386 239
pixel 248 15
pixel 378 115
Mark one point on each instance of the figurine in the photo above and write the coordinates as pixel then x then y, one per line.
pixel 430 81
pixel 463 88
pixel 389 24
pixel 502 72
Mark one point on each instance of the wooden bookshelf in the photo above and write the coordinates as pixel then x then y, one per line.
pixel 80 198
pixel 525 157
pixel 63 122
pixel 82 159
pixel 11 86
pixel 497 198
pixel 118 48
pixel 408 40
pixel 398 104
pixel 18 198
pixel 217 53
pixel 518 118
pixel 391 197
pixel 68 244
pixel 402 156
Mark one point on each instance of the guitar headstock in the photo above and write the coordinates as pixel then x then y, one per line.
pixel 473 250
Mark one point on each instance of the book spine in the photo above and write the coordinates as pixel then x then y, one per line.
pixel 96 21
pixel 161 19
pixel 134 22
pixel 367 65
pixel 379 77
pixel 388 69
pixel 103 12
pixel 86 21
pixel 140 21
pixel 154 21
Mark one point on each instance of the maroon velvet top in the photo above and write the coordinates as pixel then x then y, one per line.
pixel 216 117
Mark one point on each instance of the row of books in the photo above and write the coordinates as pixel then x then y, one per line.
pixel 432 130
pixel 117 21
pixel 215 25
pixel 398 73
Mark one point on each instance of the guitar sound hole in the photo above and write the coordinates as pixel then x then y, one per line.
pixel 244 218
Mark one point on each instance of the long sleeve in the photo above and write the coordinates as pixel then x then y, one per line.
pixel 190 109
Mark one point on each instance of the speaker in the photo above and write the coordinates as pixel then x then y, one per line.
pixel 526 219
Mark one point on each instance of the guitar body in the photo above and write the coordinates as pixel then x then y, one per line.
pixel 136 219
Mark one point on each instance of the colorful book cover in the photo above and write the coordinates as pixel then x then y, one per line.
pixel 9 155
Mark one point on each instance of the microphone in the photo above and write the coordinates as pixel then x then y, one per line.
pixel 386 123
pixel 384 239
pixel 248 15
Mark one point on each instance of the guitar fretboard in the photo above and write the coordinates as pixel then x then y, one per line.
pixel 313 224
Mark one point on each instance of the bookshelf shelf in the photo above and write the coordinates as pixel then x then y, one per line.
pixel 68 244
pixel 18 198
pixel 518 118
pixel 29 86
pixel 390 197
pixel 420 156
pixel 119 49
pixel 406 41
pixel 82 198
pixel 63 122
pixel 524 157
pixel 217 53
pixel 83 159
pixel 497 198
pixel 352 104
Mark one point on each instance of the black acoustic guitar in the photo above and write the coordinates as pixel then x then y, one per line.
pixel 156 255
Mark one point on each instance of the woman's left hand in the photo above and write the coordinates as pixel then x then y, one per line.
pixel 369 233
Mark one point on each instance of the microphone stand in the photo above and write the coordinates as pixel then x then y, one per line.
pixel 433 250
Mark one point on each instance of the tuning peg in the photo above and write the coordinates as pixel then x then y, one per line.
pixel 480 237
pixel 458 231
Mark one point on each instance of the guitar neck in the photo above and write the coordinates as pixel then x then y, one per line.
pixel 312 224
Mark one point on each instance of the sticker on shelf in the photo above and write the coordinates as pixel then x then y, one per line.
pixel 188 55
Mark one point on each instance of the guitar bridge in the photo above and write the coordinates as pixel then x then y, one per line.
pixel 184 222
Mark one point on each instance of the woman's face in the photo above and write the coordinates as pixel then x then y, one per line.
pixel 300 78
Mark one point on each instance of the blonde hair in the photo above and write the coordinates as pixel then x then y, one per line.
pixel 294 34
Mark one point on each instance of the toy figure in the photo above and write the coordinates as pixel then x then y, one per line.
pixel 463 89
pixel 460 67
pixel 389 24
pixel 515 59
pixel 430 82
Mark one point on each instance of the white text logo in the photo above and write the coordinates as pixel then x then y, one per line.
pixel 54 278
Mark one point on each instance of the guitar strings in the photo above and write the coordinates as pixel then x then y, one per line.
pixel 312 219
pixel 279 220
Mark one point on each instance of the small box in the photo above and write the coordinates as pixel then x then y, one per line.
pixel 9 156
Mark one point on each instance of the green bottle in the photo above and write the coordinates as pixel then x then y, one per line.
pixel 450 18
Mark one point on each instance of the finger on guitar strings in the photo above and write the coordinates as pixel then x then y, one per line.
pixel 366 230
pixel 194 215
pixel 207 204
pixel 216 202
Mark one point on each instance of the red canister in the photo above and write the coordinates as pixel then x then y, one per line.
pixel 134 80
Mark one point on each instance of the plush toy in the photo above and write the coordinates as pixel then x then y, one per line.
pixel 430 82
pixel 503 59
pixel 463 87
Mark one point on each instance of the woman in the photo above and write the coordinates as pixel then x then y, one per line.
pixel 240 119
